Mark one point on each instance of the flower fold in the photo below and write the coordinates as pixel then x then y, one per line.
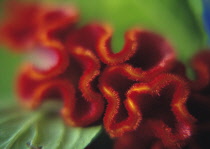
pixel 145 50
pixel 163 99
pixel 83 105
pixel 144 87
pixel 199 102
pixel 201 65
pixel 27 23
pixel 48 59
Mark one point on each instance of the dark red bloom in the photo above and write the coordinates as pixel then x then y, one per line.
pixel 19 28
pixel 58 23
pixel 199 106
pixel 149 135
pixel 164 119
pixel 83 105
pixel 48 59
pixel 145 50
pixel 25 24
pixel 86 37
pixel 145 55
pixel 52 70
pixel 144 85
pixel 162 99
pixel 114 83
pixel 201 65
pixel 199 101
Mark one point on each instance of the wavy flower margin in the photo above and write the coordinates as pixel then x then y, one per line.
pixel 74 86
pixel 77 59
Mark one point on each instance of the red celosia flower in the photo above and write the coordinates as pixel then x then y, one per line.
pixel 57 23
pixel 145 50
pixel 27 23
pixel 160 100
pixel 165 122
pixel 149 135
pixel 19 28
pixel 199 106
pixel 32 27
pixel 53 71
pixel 165 93
pixel 86 37
pixel 48 59
pixel 143 101
pixel 83 105
pixel 179 70
pixel 201 65
pixel 114 83
pixel 199 102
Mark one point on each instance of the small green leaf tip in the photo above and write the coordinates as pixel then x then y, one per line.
pixel 41 129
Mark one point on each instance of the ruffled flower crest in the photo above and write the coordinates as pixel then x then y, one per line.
pixel 143 87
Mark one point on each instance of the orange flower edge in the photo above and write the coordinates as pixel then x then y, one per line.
pixel 28 23
pixel 147 137
pixel 114 83
pixel 165 121
pixel 143 49
pixel 131 99
pixel 83 105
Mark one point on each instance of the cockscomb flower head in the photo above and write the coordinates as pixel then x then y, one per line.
pixel 142 92
pixel 162 100
pixel 25 24
pixel 199 101
pixel 54 71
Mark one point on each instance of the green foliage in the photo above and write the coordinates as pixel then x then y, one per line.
pixel 21 129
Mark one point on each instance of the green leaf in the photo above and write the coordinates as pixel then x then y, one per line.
pixel 22 129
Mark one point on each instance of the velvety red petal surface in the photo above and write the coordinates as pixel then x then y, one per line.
pixel 104 46
pixel 19 27
pixel 86 37
pixel 114 83
pixel 25 24
pixel 58 23
pixel 162 100
pixel 151 104
pixel 147 137
pixel 143 49
pixel 198 103
pixel 83 104
pixel 201 65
